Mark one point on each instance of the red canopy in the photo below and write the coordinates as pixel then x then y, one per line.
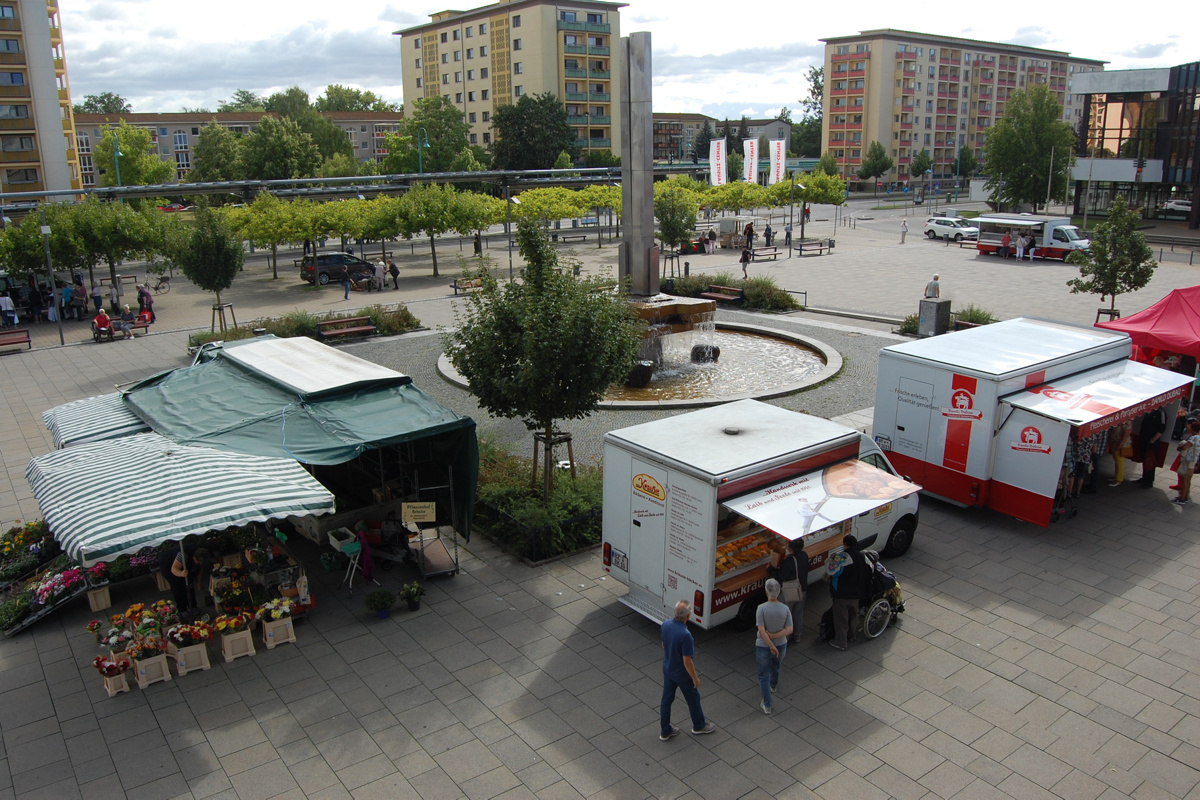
pixel 1172 323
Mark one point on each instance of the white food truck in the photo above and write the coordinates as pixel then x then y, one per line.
pixel 694 505
pixel 1054 237
pixel 982 417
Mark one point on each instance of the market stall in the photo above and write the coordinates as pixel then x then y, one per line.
pixel 1170 327
pixel 92 419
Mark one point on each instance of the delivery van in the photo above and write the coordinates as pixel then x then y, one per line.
pixel 695 505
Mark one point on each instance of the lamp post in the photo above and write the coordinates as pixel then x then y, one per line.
pixel 508 202
pixel 117 156
pixel 422 143
pixel 587 134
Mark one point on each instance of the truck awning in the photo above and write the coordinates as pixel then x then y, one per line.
pixel 813 501
pixel 1103 397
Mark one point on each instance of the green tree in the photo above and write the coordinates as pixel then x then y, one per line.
pixel 139 158
pixel 743 131
pixel 432 209
pixel 675 208
pixel 814 104
pixel 242 100
pixel 1017 153
pixel 966 164
pixel 735 162
pixel 531 133
pixel 564 161
pixel 291 102
pixel 217 155
pixel 806 137
pixel 347 98
pixel 329 138
pixel 113 232
pixel 23 250
pixel 544 348
pixel 601 158
pixel 828 164
pixel 875 163
pixel 103 103
pixel 213 255
pixel 547 204
pixel 434 120
pixel 1118 260
pixel 338 166
pixel 277 149
pixel 266 222
pixel 784 115
pixel 919 165
pixel 703 139
pixel 729 134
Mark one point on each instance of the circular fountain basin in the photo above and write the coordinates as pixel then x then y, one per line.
pixel 755 362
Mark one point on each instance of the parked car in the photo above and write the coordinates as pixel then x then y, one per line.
pixel 169 207
pixel 1184 206
pixel 950 228
pixel 330 264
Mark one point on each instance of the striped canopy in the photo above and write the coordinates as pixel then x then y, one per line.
pixel 104 499
pixel 92 419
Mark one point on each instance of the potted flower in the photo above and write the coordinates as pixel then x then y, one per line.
pixel 188 643
pixel 59 586
pixel 97 574
pixel 97 580
pixel 411 594
pixel 276 616
pixel 236 639
pixel 113 671
pixel 149 654
pixel 95 627
pixel 117 640
pixel 381 601
pixel 166 612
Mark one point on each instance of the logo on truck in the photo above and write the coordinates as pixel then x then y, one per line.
pixel 649 486
pixel 1031 441
pixel 962 406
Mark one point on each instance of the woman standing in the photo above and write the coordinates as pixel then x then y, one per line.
pixel 1121 447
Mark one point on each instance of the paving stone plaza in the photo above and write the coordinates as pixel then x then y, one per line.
pixel 1058 662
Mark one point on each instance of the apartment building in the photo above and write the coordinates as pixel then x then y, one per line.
pixel 173 136
pixel 490 56
pixel 917 92
pixel 37 131
pixel 675 134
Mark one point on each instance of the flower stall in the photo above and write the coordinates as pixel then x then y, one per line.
pixel 237 639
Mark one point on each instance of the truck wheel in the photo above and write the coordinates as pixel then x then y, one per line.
pixel 744 620
pixel 900 539
pixel 323 279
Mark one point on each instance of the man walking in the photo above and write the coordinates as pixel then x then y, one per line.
pixel 903 230
pixel 679 672
pixel 344 275
pixel 933 289
pixel 788 569
pixel 774 620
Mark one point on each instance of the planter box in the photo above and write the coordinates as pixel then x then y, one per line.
pixel 191 658
pixel 151 670
pixel 236 645
pixel 280 631
pixel 161 582
pixel 231 560
pixel 116 684
pixel 99 599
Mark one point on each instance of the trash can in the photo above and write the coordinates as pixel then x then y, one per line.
pixel 832 243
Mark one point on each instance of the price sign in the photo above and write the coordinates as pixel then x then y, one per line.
pixel 419 512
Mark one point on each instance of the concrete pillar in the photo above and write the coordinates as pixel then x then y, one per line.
pixel 638 252
pixel 934 319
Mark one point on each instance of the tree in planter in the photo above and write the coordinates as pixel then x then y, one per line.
pixel 675 208
pixel 1118 260
pixel 544 348
pixel 875 163
pixel 828 164
pixel 213 255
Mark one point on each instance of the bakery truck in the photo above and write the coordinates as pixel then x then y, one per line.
pixel 695 505
pixel 1054 237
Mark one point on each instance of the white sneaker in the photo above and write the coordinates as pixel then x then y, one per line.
pixel 766 709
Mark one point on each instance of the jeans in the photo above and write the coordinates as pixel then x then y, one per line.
pixel 99 301
pixel 768 669
pixel 346 288
pixel 845 615
pixel 690 693
pixel 798 618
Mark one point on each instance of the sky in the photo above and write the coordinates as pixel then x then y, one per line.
pixel 708 56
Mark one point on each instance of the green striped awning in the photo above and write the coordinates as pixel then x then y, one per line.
pixel 92 419
pixel 108 498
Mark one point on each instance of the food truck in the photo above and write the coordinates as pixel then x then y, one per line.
pixel 982 417
pixel 695 505
pixel 1054 237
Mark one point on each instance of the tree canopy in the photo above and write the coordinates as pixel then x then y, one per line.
pixel 139 166
pixel 827 164
pixel 919 164
pixel 531 133
pixel 103 103
pixel 243 100
pixel 217 155
pixel 347 98
pixel 434 120
pixel 212 255
pixel 966 164
pixel 278 149
pixel 676 205
pixel 1118 260
pixel 1017 155
pixel 875 163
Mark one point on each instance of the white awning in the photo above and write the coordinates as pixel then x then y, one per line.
pixel 1103 397
pixel 813 501
pixel 92 419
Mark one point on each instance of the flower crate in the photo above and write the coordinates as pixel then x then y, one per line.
pixel 99 598
pixel 233 560
pixel 152 670
pixel 191 659
pixel 277 632
pixel 116 684
pixel 236 645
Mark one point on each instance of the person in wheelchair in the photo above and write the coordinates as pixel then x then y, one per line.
pixel 102 326
pixel 864 591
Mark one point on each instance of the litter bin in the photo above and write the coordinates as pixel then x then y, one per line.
pixel 832 243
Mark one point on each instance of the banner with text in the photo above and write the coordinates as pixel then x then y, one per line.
pixel 778 148
pixel 716 162
pixel 750 165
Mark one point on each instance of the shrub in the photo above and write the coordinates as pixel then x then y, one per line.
pixel 761 292
pixel 974 315
pixel 911 324
pixel 14 610
pixel 304 323
pixel 380 600
pixel 390 322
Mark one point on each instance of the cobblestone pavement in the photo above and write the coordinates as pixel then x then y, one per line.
pixel 1031 663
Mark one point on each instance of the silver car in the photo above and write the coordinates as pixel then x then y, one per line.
pixel 950 228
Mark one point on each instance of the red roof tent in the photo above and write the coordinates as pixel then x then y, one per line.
pixel 1172 323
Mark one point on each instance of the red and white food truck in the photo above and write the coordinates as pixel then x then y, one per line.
pixel 695 505
pixel 982 417
pixel 1054 237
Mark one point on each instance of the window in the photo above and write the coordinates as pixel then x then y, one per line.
pixel 455 37
pixel 458 98
pixel 470 31
pixel 470 52
pixel 596 18
pixel 446 79
pixel 12 79
pixel 458 55
pixel 83 143
pixel 570 38
pixel 445 58
pixel 595 41
pixel 474 138
pixel 482 28
pixel 483 73
pixel 10 45
pixel 85 163
pixel 363 129
pixel 516 20
pixel 518 68
pixel 487 117
pixel 181 141
pixel 458 77
pixel 567 16
pixel 418 63
pixel 6 12
pixel 518 91
pixel 17 144
pixel 471 118
pixel 470 97
pixel 22 175
pixel 445 37
pixel 483 51
pixel 183 161
pixel 419 83
pixel 487 138
pixel 470 74
pixel 483 95
pixel 195 131
pixel 572 87
pixel 516 44
pixel 417 43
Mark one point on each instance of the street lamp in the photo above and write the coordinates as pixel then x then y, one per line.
pixel 508 201
pixel 117 156
pixel 792 211
pixel 422 143
pixel 587 134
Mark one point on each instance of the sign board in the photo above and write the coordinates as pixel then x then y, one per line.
pixel 419 512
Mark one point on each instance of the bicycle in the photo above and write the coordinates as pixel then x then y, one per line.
pixel 163 286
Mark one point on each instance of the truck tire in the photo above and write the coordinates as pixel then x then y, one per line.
pixel 323 278
pixel 900 539
pixel 747 612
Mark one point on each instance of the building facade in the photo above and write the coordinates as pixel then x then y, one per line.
pixel 37 129
pixel 490 56
pixel 1141 141
pixel 675 135
pixel 173 136
pixel 916 92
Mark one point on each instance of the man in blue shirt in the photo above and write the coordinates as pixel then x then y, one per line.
pixel 679 672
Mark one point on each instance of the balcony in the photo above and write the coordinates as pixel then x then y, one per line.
pixel 28 186
pixel 838 92
pixel 854 126
pixel 13 58
pixel 14 91
pixel 18 156
pixel 858 73
pixel 576 96
pixel 600 97
pixel 910 73
pixel 16 124
pixel 597 50
pixel 574 119
pixel 601 119
pixel 837 125
pixel 903 159
pixel 590 27
pixel 956 60
pixel 906 126
pixel 595 143
pixel 577 49
pixel 573 72
pixel 603 74
pixel 10 24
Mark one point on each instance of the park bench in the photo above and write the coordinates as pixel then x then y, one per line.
pixel 461 286
pixel 567 237
pixel 727 294
pixel 765 252
pixel 354 327
pixel 15 336
pixel 809 245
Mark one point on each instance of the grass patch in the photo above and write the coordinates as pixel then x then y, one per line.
pixel 762 293
pixel 387 322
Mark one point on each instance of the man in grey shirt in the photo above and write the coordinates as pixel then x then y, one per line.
pixel 774 620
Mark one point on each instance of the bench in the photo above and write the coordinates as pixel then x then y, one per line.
pixel 332 327
pixel 809 245
pixel 461 286
pixel 566 237
pixel 765 252
pixel 15 336
pixel 106 280
pixel 728 294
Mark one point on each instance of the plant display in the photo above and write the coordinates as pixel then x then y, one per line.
pixel 387 322
pixel 188 635
pixel 94 627
pixel 54 587
pixel 111 667
pixel 97 574
pixel 234 623
pixel 411 591
pixel 280 608
pixel 118 639
pixel 380 600
pixel 14 610
pixel 236 594
pixel 146 646
pixel 134 613
pixel 143 561
pixel 165 611
pixel 24 547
